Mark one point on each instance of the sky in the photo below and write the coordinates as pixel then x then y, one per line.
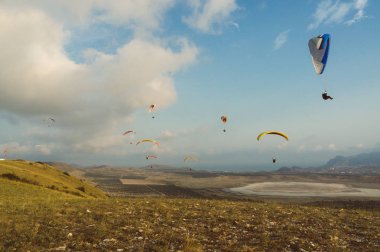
pixel 95 67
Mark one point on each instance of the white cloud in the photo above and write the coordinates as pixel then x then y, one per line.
pixel 44 149
pixel 280 40
pixel 360 146
pixel 331 147
pixel 12 148
pixel 141 15
pixel 170 134
pixel 39 80
pixel 236 25
pixel 329 11
pixel 209 16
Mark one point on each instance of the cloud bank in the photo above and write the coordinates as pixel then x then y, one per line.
pixel 39 80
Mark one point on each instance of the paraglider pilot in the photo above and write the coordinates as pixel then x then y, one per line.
pixel 274 160
pixel 325 96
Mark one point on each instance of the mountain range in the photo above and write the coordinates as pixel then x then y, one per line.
pixel 363 163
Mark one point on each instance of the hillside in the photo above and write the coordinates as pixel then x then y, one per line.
pixel 36 218
pixel 43 175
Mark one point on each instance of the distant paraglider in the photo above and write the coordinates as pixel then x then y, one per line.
pixel 5 152
pixel 50 121
pixel 319 49
pixel 129 132
pixel 190 158
pixel 224 120
pixel 150 156
pixel 152 107
pixel 283 135
pixel 148 141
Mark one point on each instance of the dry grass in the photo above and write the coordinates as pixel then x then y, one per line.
pixel 39 219
pixel 35 218
pixel 41 174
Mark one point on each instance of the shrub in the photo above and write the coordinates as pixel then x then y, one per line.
pixel 81 188
pixel 12 176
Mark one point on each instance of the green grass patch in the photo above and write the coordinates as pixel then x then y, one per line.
pixel 44 175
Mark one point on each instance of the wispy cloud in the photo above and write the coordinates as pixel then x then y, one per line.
pixel 347 12
pixel 211 15
pixel 236 25
pixel 281 39
pixel 359 15
pixel 170 134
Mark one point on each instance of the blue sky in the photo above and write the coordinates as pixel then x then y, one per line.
pixel 95 67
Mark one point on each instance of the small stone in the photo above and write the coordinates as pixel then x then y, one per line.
pixel 61 248
pixel 215 230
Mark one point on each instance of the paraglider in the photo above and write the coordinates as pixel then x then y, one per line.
pixel 50 121
pixel 272 133
pixel 283 135
pixel 129 132
pixel 319 50
pixel 190 158
pixel 5 151
pixel 148 141
pixel 150 156
pixel 224 121
pixel 152 107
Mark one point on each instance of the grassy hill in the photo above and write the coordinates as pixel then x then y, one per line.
pixel 36 218
pixel 43 175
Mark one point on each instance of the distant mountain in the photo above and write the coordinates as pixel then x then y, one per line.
pixel 291 169
pixel 364 159
pixel 364 163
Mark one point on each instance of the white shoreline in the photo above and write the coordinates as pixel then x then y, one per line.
pixel 304 189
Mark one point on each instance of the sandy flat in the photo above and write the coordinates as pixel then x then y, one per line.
pixel 140 182
pixel 300 189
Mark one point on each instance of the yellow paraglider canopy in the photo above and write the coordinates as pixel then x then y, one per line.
pixel 272 133
pixel 192 158
pixel 148 140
